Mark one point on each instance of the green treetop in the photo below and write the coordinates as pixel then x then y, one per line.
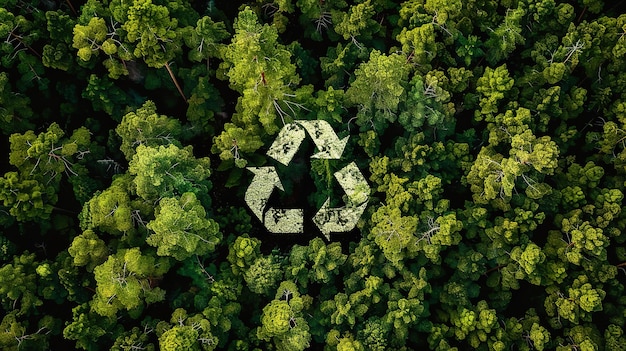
pixel 260 68
pixel 419 44
pixel 357 23
pixel 57 53
pixel 88 328
pixel 614 338
pixel 112 210
pixel 378 89
pixel 539 336
pixel 402 314
pixel 16 334
pixel 393 232
pixel 93 35
pixel 283 320
pixel 528 259
pixel 492 86
pixel 317 262
pixel 186 332
pixel 474 324
pixel 26 199
pixel 349 344
pixel 374 334
pixel 493 176
pixel 138 338
pixel 48 154
pixel 88 250
pixel 181 228
pixel 18 284
pixel 583 240
pixel 169 171
pixel 153 32
pixel 427 103
pixel 243 252
pixel 234 143
pixel 126 282
pixel 264 275
pixel 203 40
pixel 317 17
pixel 579 302
pixel 439 232
pixel 146 127
pixel 506 36
pixel 88 39
pixel 585 337
pixel 41 160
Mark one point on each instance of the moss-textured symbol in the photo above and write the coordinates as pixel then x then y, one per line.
pixel 327 219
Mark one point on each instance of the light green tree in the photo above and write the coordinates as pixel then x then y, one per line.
pixel 492 87
pixel 263 275
pixel 315 263
pixel 48 154
pixel 438 233
pixel 419 44
pixel 26 199
pixel 402 313
pixel 393 232
pixel 539 336
pixel 234 143
pixel 88 250
pixel 89 38
pixel 17 334
pixel 349 344
pixel 136 338
pixel 146 127
pixel 204 40
pixel 506 36
pixel 260 68
pixel 112 210
pixel 282 320
pixel 186 332
pixel 583 240
pixel 169 171
pixel 126 281
pixel 181 228
pixel 357 23
pixel 576 304
pixel 243 252
pixel 153 32
pixel 378 89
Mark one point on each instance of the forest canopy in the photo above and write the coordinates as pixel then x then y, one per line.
pixel 491 134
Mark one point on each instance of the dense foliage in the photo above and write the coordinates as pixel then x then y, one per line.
pixel 492 134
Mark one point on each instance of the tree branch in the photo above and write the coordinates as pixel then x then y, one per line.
pixel 180 90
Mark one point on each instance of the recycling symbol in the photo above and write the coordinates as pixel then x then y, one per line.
pixel 291 220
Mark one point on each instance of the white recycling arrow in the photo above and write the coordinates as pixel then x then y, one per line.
pixel 284 221
pixel 336 220
pixel 278 221
pixel 259 192
pixel 344 219
pixel 325 139
pixel 353 183
pixel 291 136
pixel 287 143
